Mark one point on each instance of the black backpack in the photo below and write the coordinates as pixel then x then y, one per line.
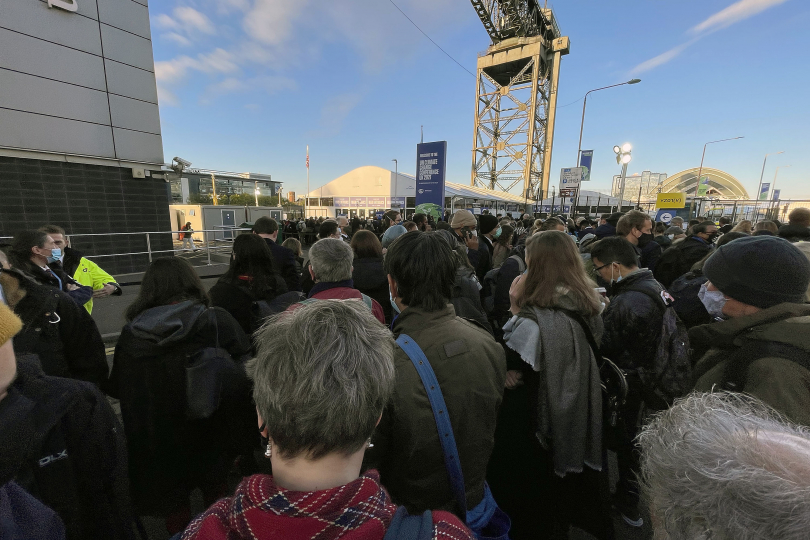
pixel 671 265
pixel 687 304
pixel 490 282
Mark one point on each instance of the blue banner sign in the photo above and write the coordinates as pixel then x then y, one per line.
pixel 776 194
pixel 431 164
pixel 763 191
pixel 342 202
pixel 397 203
pixel 585 160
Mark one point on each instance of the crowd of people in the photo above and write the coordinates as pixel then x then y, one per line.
pixel 512 364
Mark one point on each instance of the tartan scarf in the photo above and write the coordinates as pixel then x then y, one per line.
pixel 359 510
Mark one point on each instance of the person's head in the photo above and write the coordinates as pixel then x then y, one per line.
pixel 251 257
pixel 421 221
pixel 800 217
pixel 488 224
pixel 266 227
pixel 410 226
pixel 421 270
pixel 677 221
pixel 328 229
pixel 705 230
pixel 725 465
pixel 603 219
pixel 613 258
pixel 342 222
pixel 392 217
pixel 701 219
pixel 366 245
pixel 743 226
pixel 552 224
pixel 56 232
pixel 675 233
pixel 168 280
pixel 660 228
pixel 330 260
pixel 10 325
pixel 555 265
pixel 769 226
pixel 636 227
pixel 724 220
pixel 505 237
pixel 33 246
pixel 321 378
pixel 391 234
pixel 755 273
pixel 693 222
pixel 463 222
pixel 294 245
pixel 613 219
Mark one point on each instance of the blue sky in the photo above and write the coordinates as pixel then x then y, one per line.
pixel 245 85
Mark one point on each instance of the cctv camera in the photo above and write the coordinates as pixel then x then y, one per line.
pixel 182 162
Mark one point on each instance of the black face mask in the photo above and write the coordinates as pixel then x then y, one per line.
pixel 645 239
pixel 712 236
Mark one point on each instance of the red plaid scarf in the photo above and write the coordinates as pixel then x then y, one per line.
pixel 360 510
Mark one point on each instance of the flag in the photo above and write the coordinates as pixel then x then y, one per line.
pixel 307 157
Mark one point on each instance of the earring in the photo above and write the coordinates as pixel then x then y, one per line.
pixel 269 452
pixel 369 444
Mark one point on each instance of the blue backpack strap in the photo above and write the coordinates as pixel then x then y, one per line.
pixel 406 527
pixel 368 301
pixel 440 413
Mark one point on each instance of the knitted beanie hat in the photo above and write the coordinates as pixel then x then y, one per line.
pixel 10 324
pixel 488 223
pixel 760 271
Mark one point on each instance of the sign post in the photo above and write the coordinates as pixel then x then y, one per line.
pixel 431 165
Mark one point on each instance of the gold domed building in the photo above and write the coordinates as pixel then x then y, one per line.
pixel 721 184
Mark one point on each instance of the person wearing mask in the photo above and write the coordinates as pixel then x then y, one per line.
pixel 758 286
pixel 470 368
pixel 502 246
pixel 317 488
pixel 84 271
pixel 798 227
pixel 331 272
pixel 251 277
pixel 36 254
pixel 678 259
pixel 391 218
pixel 636 227
pixel 267 228
pixel 548 467
pixel 633 322
pixel 61 442
pixel 60 333
pixel 677 221
pixel 675 234
pixel 368 273
pixel 174 445
pixel 463 226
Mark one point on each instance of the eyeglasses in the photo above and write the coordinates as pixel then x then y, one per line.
pixel 597 268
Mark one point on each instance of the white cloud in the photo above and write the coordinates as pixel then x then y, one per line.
pixel 177 38
pixel 194 20
pixel 734 13
pixel 661 59
pixel 270 21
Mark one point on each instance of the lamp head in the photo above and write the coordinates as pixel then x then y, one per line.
pixel 634 81
pixel 626 158
pixel 617 149
pixel 626 147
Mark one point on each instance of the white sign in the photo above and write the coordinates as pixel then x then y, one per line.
pixel 570 177
pixel 67 5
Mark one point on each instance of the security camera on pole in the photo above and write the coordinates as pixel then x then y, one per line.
pixel 623 157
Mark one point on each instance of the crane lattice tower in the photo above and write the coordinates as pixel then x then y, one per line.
pixel 516 96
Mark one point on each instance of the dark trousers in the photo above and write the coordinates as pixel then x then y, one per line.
pixel 627 451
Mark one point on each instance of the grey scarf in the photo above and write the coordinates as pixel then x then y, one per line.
pixel 569 404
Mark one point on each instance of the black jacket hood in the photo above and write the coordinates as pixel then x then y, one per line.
pixel 164 325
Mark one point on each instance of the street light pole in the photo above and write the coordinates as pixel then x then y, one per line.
pixel 396 175
pixel 759 187
pixel 582 126
pixel 700 170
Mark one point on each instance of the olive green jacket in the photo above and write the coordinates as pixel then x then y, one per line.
pixel 781 383
pixel 471 369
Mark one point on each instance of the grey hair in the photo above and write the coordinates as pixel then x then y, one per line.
pixel 331 260
pixel 725 466
pixel 322 375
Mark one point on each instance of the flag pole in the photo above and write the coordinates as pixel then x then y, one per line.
pixel 306 198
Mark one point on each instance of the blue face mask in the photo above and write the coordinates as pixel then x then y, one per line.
pixel 393 303
pixel 56 255
pixel 497 233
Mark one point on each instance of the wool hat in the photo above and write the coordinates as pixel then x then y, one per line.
pixel 488 223
pixel 391 234
pixel 10 324
pixel 760 271
pixel 463 218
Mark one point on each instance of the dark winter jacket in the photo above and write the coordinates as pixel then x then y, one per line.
pixel 370 278
pixel 484 263
pixel 81 295
pixel 237 299
pixel 61 442
pixel 466 297
pixel 633 321
pixel 663 240
pixel 795 233
pixel 471 370
pixel 650 254
pixel 23 517
pixel 60 332
pixel 170 455
pixel 678 259
pixel 285 265
pixel 781 383
pixel 510 269
pixel 687 304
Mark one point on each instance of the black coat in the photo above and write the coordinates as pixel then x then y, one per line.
pixel 633 321
pixel 369 278
pixel 169 455
pixel 60 440
pixel 62 334
pixel 795 233
pixel 650 254
pixel 285 265
pixel 678 259
pixel 484 263
pixel 81 295
pixel 237 299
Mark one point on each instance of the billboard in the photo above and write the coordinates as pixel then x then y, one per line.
pixel 431 165
pixel 396 203
pixel 376 202
pixel 342 202
pixel 570 177
pixel 670 200
pixel 763 191
pixel 585 160
pixel 358 202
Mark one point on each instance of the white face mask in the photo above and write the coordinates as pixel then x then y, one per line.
pixel 394 305
pixel 713 301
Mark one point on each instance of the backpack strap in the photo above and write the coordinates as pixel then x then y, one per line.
pixel 406 527
pixel 367 300
pixel 735 374
pixel 440 414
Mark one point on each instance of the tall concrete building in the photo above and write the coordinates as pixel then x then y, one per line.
pixel 80 140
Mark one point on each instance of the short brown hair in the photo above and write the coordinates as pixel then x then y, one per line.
pixel 52 229
pixel 634 219
pixel 365 244
pixel 799 216
pixel 265 225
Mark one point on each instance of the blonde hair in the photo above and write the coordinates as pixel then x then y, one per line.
pixel 743 226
